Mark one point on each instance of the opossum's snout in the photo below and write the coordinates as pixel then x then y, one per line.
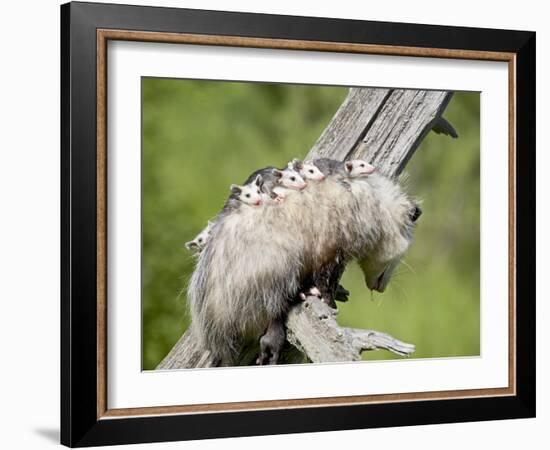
pixel 368 171
pixel 258 202
pixel 379 284
pixel 378 276
pixel 311 172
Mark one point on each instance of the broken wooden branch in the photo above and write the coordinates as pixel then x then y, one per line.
pixel 312 328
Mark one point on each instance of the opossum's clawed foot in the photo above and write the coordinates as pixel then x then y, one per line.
pixel 341 294
pixel 271 343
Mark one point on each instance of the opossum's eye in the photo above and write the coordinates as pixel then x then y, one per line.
pixel 200 240
pixel 247 195
pixel 292 178
pixel 415 213
pixel 310 170
pixel 362 165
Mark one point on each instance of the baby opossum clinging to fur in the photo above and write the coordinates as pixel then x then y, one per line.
pixel 278 183
pixel 258 259
pixel 268 185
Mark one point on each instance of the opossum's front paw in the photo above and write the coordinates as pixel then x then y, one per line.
pixel 341 294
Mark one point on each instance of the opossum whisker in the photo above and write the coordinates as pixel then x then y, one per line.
pixel 407 265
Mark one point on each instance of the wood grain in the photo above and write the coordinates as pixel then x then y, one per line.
pixel 402 123
pixel 348 126
pixel 290 44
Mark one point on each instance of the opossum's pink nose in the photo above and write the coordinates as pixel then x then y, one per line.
pixel 370 170
pixel 322 177
pixel 258 202
pixel 303 186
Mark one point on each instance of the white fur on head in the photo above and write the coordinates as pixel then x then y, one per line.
pixel 292 180
pixel 249 193
pixel 359 168
pixel 311 172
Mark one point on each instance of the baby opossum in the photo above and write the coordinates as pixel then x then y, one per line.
pixel 270 183
pixel 248 194
pixel 258 258
pixel 200 241
pixel 344 170
pixel 277 183
pixel 306 170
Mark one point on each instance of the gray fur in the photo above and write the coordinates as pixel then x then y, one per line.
pixel 258 258
pixel 271 177
pixel 329 166
pixel 275 182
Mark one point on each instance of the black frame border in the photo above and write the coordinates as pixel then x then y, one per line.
pixel 79 423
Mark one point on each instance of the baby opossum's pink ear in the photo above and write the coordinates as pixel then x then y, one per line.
pixel 235 189
pixel 277 173
pixel 349 166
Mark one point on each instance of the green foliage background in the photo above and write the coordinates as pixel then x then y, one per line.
pixel 201 136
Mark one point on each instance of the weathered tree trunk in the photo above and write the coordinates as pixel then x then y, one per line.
pixel 384 127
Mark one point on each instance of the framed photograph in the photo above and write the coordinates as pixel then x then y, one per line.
pixel 277 224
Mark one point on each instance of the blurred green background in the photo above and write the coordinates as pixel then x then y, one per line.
pixel 201 136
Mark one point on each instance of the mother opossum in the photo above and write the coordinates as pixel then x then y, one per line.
pixel 258 258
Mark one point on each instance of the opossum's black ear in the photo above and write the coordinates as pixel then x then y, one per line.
pixel 258 181
pixel 235 189
pixel 415 213
pixel 277 173
pixel 297 164
pixel 349 166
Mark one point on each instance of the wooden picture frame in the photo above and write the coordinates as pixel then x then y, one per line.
pixel 85 416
